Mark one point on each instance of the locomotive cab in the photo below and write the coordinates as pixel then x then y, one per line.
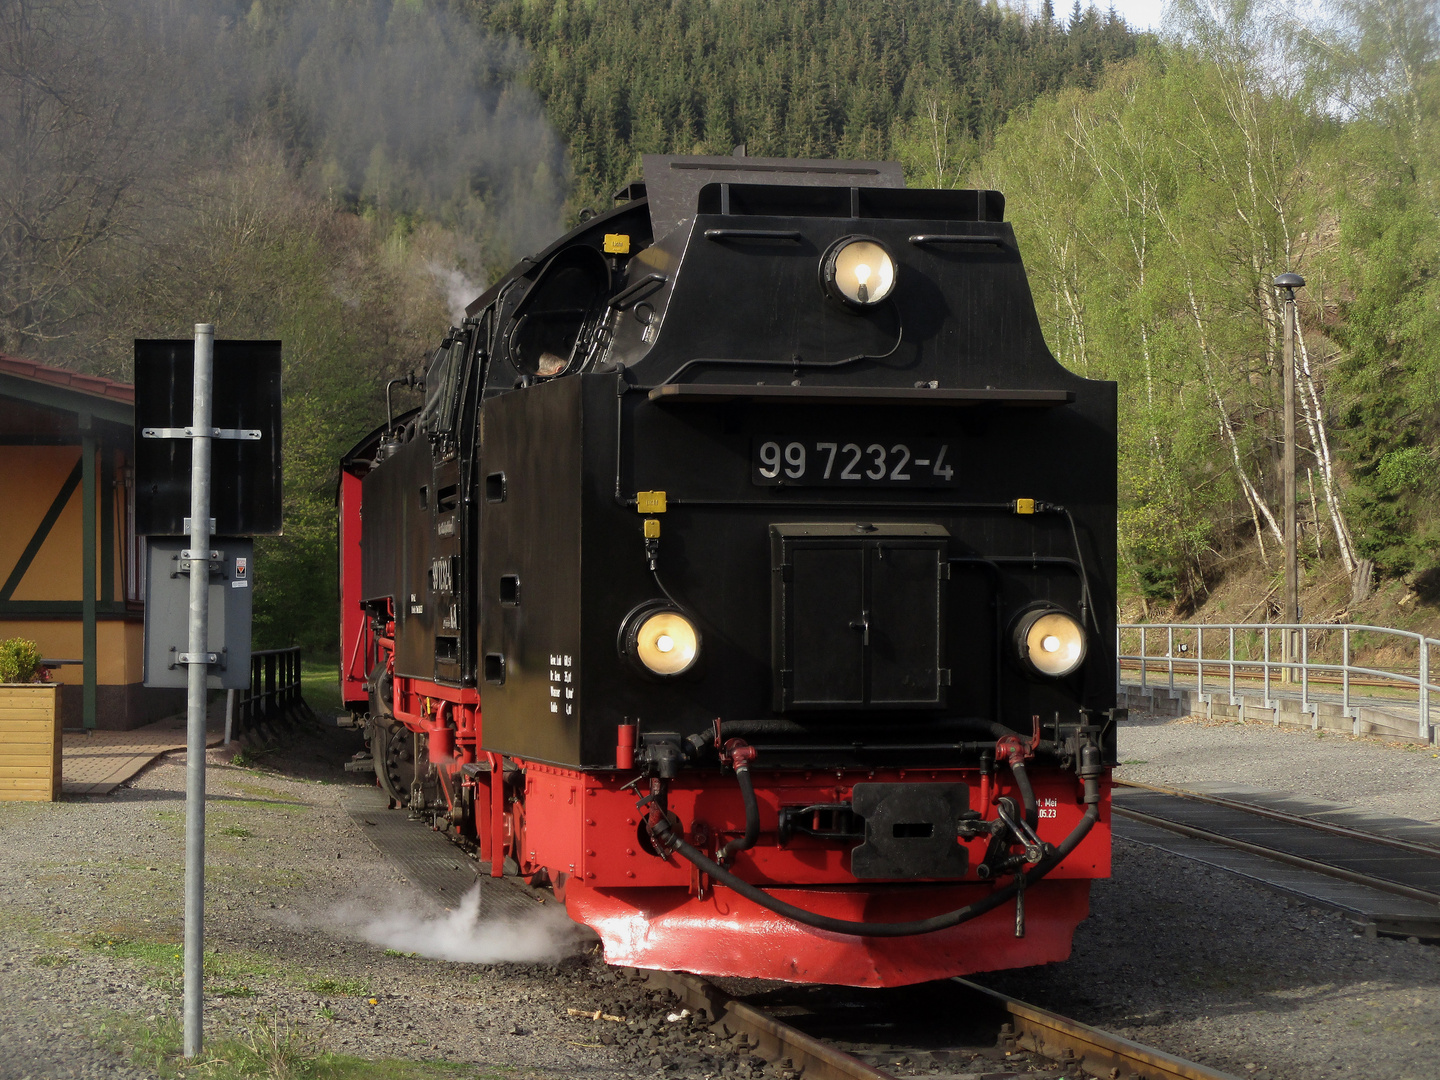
pixel 748 577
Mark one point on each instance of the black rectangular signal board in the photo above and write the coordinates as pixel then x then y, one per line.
pixel 245 479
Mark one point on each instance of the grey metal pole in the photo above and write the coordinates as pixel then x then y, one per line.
pixel 1287 284
pixel 195 701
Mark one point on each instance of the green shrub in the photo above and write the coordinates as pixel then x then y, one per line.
pixel 18 659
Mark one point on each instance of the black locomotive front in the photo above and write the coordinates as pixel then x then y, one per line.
pixel 767 468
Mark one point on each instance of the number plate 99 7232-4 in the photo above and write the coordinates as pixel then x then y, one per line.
pixel 856 463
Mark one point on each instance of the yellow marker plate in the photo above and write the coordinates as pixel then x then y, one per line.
pixel 650 502
pixel 617 244
pixel 1024 506
pixel 652 528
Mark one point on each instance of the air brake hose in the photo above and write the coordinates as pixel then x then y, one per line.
pixel 665 838
pixel 752 816
pixel 1027 793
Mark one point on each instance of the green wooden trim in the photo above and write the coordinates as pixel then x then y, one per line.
pixel 63 609
pixel 87 563
pixel 42 531
pixel 109 436
pixel 107 523
pixel 66 399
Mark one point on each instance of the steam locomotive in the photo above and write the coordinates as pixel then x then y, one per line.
pixel 747 578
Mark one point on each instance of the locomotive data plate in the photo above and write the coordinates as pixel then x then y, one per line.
pixel 780 462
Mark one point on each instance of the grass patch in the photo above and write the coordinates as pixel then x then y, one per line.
pixel 238 991
pixel 339 987
pixel 51 960
pixel 236 831
pixel 320 686
pixel 289 808
pixel 166 959
pixel 271 1050
pixel 250 757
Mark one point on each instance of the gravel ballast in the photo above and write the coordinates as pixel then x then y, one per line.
pixel 1176 954
pixel 1211 967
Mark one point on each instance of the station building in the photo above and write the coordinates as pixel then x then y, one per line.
pixel 71 567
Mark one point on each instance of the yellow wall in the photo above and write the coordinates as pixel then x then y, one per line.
pixel 119 647
pixel 29 481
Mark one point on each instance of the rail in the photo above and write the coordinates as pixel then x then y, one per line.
pixel 1320 655
pixel 275 695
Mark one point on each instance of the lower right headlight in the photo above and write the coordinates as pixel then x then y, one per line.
pixel 1050 642
pixel 660 640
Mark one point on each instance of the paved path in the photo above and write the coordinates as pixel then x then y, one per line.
pixel 98 763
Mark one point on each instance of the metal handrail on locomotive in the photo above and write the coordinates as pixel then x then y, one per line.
pixel 747 578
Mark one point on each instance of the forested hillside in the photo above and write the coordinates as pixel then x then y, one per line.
pixel 344 174
pixel 1154 212
pixel 927 81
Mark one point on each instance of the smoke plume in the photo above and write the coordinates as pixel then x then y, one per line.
pixel 417 925
pixel 459 289
pixel 408 108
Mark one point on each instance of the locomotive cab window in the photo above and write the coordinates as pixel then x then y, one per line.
pixel 565 301
pixel 441 382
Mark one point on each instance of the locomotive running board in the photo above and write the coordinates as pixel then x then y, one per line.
pixel 429 861
pixel 858 395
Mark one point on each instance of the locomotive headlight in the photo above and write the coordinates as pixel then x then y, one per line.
pixel 857 270
pixel 661 639
pixel 1050 642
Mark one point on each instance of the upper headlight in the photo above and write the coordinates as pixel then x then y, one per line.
pixel 858 270
pixel 663 640
pixel 1051 642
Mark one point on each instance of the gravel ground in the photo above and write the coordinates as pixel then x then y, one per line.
pixel 1175 954
pixel 1386 777
pixel 89 953
pixel 1208 966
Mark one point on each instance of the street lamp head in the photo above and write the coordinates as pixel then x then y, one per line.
pixel 1289 281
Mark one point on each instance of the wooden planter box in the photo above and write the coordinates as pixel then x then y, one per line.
pixel 30 741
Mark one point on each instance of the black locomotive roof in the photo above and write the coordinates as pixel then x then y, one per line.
pixel 673 183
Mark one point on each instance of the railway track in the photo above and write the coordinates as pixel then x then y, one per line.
pixel 956 1026
pixel 1398 866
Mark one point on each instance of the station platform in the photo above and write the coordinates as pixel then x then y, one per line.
pixel 431 862
pixel 97 762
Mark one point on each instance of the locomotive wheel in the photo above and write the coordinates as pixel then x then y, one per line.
pixel 394 755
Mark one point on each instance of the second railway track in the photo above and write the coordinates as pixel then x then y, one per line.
pixel 1397 865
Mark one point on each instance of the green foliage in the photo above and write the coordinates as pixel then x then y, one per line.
pixel 912 79
pixel 18 659
pixel 1151 212
pixel 1385 185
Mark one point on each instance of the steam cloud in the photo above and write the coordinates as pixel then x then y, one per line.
pixel 407 106
pixel 416 925
pixel 459 289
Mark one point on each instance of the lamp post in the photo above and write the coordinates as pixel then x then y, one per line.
pixel 1287 284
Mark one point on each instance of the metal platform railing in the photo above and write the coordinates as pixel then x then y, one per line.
pixel 275 695
pixel 1398 669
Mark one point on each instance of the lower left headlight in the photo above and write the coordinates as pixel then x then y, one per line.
pixel 1051 642
pixel 661 640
